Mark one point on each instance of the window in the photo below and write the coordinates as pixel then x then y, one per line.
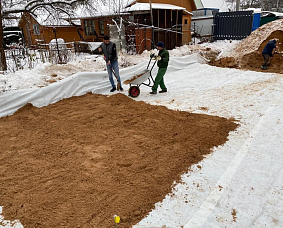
pixel 101 28
pixel 89 27
pixel 186 21
pixel 36 30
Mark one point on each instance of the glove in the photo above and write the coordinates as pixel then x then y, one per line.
pixel 158 58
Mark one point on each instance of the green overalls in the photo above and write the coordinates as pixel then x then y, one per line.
pixel 162 64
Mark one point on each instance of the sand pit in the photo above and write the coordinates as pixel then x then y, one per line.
pixel 78 162
pixel 247 55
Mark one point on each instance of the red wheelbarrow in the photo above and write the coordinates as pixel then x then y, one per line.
pixel 139 79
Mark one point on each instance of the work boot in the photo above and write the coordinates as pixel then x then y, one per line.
pixel 163 91
pixel 121 88
pixel 153 92
pixel 113 89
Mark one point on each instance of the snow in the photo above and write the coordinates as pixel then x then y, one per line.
pixel 10 22
pixel 257 37
pixel 225 47
pixel 100 9
pixel 93 45
pixel 24 6
pixel 146 7
pixel 42 74
pixel 256 10
pixel 43 18
pixel 244 176
pixel 215 4
pixel 276 14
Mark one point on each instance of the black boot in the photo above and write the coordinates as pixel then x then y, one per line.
pixel 113 89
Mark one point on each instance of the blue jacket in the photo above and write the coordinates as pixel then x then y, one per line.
pixel 269 48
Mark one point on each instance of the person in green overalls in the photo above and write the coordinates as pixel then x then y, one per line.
pixel 163 59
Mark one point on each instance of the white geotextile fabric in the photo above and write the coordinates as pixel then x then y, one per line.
pixel 80 84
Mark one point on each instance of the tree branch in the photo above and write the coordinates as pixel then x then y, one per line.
pixel 35 4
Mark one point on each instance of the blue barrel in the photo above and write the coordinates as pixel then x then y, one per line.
pixel 256 22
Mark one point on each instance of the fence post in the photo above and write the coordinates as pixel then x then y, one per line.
pixel 3 63
pixel 144 35
pixel 194 33
pixel 54 31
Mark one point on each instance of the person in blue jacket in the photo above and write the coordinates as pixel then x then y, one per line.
pixel 268 52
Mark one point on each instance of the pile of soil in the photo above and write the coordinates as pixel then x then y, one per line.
pixel 247 55
pixel 78 162
pixel 229 62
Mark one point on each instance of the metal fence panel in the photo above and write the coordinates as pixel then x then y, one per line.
pixel 232 25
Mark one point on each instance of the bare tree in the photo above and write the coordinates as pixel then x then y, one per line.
pixel 265 5
pixel 116 8
pixel 34 7
pixel 3 64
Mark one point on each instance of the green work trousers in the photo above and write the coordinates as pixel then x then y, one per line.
pixel 159 80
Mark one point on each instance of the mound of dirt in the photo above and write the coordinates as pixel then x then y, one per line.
pixel 247 55
pixel 253 61
pixel 78 162
pixel 259 38
pixel 229 62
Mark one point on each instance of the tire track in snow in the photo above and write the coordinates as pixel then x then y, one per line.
pixel 209 204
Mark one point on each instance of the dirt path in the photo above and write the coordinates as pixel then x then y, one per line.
pixel 78 162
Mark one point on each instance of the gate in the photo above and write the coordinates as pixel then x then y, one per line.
pixel 232 25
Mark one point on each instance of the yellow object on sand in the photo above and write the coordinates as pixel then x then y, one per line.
pixel 116 219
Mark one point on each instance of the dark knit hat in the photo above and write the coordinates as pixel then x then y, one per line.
pixel 106 37
pixel 160 44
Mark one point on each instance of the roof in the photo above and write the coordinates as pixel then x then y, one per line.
pixel 10 22
pixel 256 10
pixel 44 19
pixel 99 10
pixel 56 22
pixel 265 13
pixel 84 12
pixel 209 4
pixel 276 14
pixel 146 7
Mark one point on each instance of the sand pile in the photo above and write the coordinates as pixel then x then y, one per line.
pixel 78 162
pixel 247 54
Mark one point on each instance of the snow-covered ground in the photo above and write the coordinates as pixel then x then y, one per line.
pixel 241 183
pixel 45 73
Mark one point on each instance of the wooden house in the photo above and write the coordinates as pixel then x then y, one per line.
pixel 95 27
pixel 37 31
pixel 171 22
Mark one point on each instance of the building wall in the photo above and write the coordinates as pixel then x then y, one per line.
pixel 33 31
pixel 69 34
pixel 143 37
pixel 163 19
pixel 186 29
pixel 189 5
pixel 100 27
pixel 203 26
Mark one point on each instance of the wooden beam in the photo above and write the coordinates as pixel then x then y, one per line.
pixel 158 26
pixel 165 26
pixel 176 26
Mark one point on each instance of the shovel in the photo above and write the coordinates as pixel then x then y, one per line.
pixel 118 83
